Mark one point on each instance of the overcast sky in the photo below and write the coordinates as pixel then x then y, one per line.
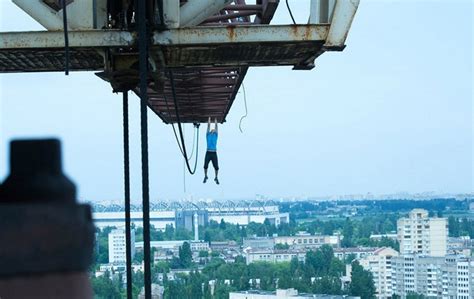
pixel 391 113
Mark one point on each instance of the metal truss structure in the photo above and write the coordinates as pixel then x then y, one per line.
pixel 209 61
pixel 224 206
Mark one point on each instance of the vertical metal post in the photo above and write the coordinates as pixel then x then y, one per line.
pixel 126 182
pixel 314 12
pixel 324 11
pixel 143 65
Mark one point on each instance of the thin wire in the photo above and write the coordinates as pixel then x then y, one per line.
pixel 184 165
pixel 291 14
pixel 246 111
pixel 66 39
pixel 194 141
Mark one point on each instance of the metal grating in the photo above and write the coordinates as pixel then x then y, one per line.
pixel 49 60
pixel 210 91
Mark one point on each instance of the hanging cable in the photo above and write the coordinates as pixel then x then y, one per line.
pixel 126 183
pixel 66 39
pixel 291 13
pixel 246 111
pixel 180 144
pixel 180 140
pixel 143 67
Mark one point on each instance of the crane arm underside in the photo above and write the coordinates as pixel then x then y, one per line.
pixel 208 62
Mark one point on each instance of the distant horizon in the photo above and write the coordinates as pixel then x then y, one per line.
pixel 390 196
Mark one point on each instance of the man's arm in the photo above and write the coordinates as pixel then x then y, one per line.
pixel 209 124
pixel 215 122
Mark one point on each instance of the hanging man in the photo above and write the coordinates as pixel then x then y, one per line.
pixel 211 153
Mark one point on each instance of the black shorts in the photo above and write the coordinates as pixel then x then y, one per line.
pixel 211 156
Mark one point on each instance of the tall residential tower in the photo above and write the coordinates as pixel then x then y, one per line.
pixel 420 234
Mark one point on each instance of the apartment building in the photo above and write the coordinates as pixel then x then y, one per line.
pixel 284 294
pixel 449 277
pixel 273 255
pixel 117 253
pixel 380 265
pixel 421 234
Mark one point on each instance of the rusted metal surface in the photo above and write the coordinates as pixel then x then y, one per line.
pixel 210 60
pixel 342 17
pixel 201 93
pixel 49 60
pixel 194 47
pixel 202 89
pixel 55 39
pixel 241 34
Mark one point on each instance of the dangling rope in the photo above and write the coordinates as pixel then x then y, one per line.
pixel 180 141
pixel 196 125
pixel 246 111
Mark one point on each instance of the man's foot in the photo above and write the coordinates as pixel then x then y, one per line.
pixel 217 181
pixel 205 180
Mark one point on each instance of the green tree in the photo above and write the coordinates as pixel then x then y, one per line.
pixel 207 237
pixel 362 283
pixel 348 234
pixel 185 255
pixel 222 225
pixel 106 288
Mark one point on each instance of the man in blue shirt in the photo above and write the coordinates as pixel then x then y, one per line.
pixel 211 153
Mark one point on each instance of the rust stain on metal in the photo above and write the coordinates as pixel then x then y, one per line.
pixel 231 33
pixel 307 33
pixel 294 30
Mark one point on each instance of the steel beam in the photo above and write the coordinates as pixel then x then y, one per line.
pixel 241 34
pixel 77 39
pixel 183 36
pixel 344 12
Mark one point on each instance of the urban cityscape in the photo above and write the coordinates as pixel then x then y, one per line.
pixel 236 149
pixel 365 248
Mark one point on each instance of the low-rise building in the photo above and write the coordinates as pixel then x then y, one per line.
pixel 196 246
pixel 356 252
pixel 306 240
pixel 380 237
pixel 283 294
pixel 460 245
pixel 259 242
pixel 380 265
pixel 224 246
pixel 274 255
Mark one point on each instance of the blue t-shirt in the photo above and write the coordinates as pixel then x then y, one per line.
pixel 211 141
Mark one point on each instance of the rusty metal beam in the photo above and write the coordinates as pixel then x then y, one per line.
pixel 241 34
